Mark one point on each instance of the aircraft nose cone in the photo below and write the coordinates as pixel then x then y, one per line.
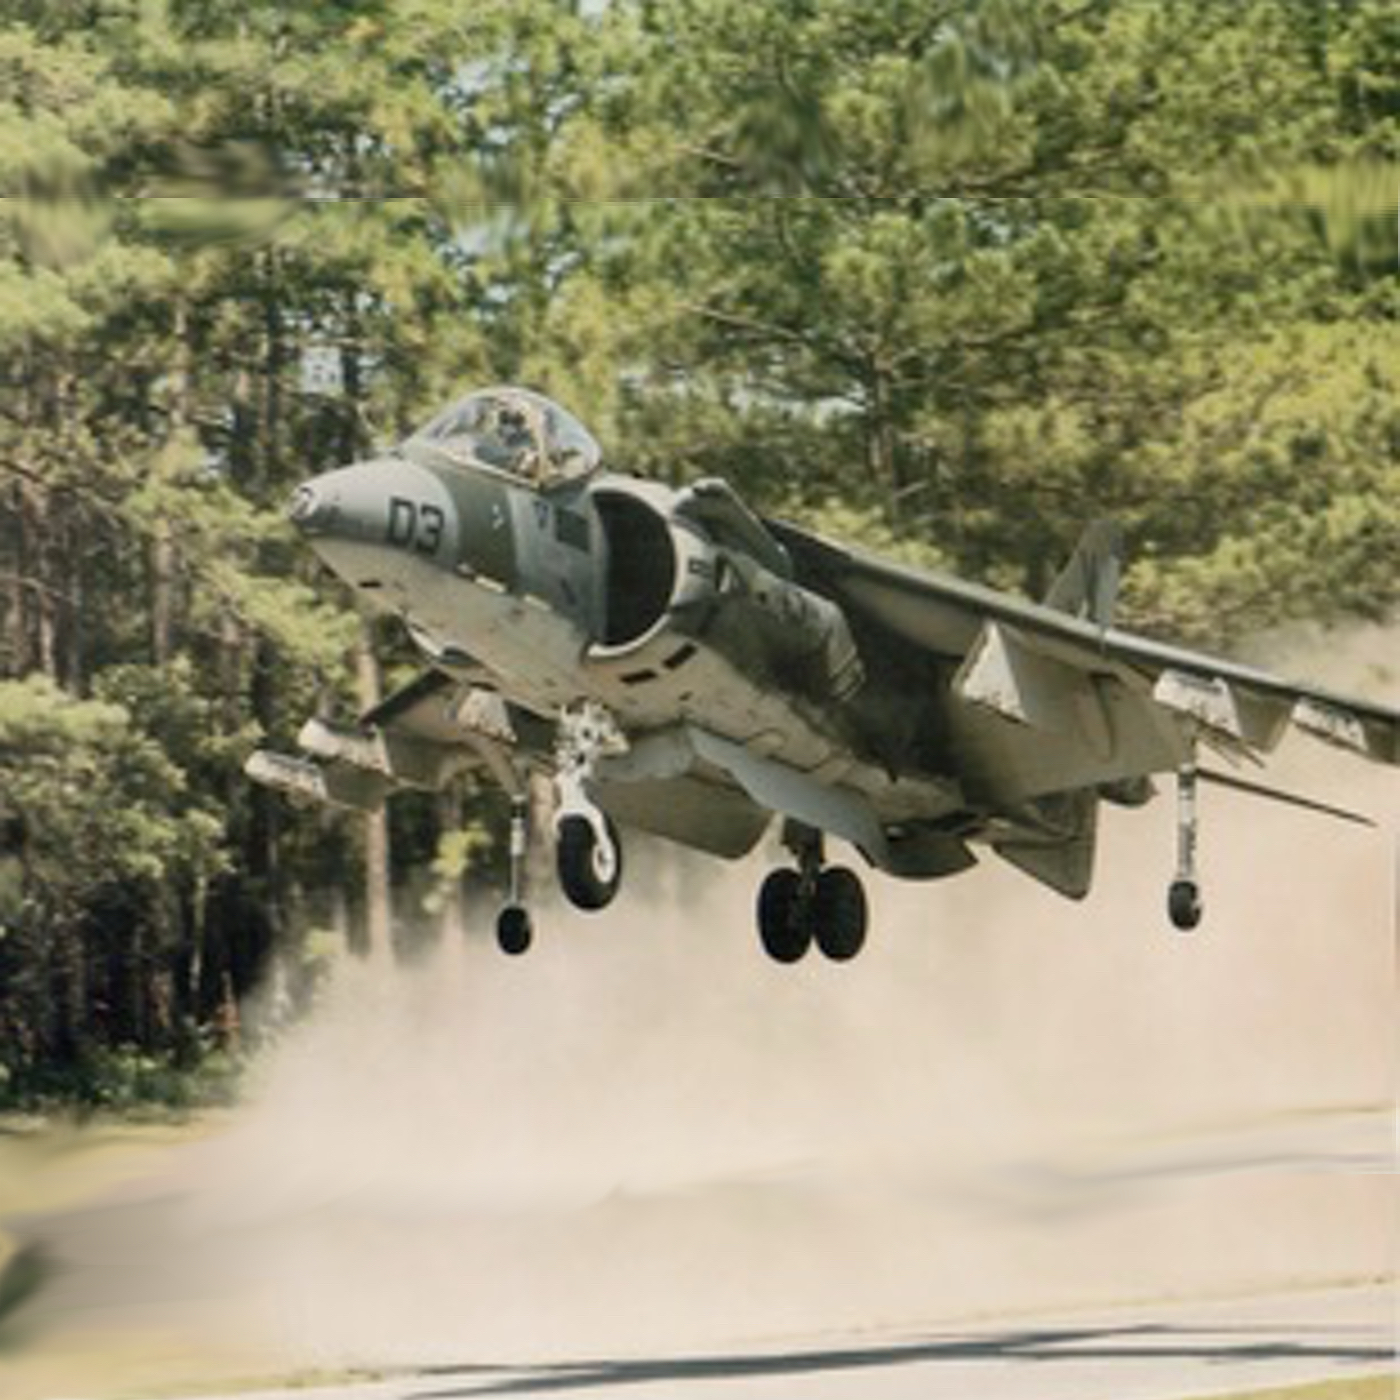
pixel 309 509
pixel 376 518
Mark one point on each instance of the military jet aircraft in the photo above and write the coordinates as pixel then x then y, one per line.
pixel 675 663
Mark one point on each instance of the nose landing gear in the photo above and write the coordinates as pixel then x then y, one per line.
pixel 588 853
pixel 588 857
pixel 812 904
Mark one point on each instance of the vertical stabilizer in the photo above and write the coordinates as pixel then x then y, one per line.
pixel 1088 585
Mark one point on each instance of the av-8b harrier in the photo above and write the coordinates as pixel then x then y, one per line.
pixel 679 665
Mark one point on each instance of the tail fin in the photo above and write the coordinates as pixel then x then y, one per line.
pixel 1088 585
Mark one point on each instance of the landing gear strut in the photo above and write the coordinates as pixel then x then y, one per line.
pixel 515 929
pixel 1184 897
pixel 811 904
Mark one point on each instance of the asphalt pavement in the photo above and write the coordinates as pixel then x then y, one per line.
pixel 1160 1352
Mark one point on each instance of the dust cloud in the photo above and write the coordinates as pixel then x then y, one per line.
pixel 644 1136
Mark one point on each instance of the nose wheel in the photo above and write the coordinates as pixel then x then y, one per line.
pixel 589 859
pixel 588 854
pixel 812 904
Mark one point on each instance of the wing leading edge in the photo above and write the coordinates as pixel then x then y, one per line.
pixel 999 639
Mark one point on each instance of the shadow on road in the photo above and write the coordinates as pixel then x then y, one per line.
pixel 1219 1345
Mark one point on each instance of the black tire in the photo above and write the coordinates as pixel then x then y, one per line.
pixel 515 930
pixel 783 926
pixel 840 914
pixel 582 864
pixel 1184 905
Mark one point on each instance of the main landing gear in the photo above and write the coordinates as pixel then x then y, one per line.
pixel 1184 905
pixel 812 904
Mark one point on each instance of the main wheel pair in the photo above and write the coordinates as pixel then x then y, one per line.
pixel 828 909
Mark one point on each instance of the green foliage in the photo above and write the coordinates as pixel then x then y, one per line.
pixel 126 1080
pixel 459 852
pixel 101 803
pixel 981 272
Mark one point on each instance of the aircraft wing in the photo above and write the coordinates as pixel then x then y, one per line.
pixel 420 736
pixel 1017 658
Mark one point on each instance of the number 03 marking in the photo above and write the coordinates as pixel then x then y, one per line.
pixel 414 525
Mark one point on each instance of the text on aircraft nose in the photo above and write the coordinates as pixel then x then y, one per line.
pixel 385 503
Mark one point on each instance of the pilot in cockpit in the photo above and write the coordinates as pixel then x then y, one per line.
pixel 505 425
pixel 515 431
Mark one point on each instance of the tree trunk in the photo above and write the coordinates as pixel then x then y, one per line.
pixel 41 589
pixel 378 914
pixel 880 456
pixel 16 605
pixel 163 555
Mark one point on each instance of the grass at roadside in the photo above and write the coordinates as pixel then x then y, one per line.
pixel 57 1166
pixel 1368 1388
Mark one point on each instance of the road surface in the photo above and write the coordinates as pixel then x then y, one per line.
pixel 1147 1353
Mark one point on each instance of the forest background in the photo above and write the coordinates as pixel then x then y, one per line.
pixel 944 278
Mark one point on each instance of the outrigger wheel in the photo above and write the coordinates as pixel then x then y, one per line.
pixel 515 930
pixel 1184 905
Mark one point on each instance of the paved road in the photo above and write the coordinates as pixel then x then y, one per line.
pixel 1146 1353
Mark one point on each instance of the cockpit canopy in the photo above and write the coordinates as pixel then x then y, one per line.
pixel 515 431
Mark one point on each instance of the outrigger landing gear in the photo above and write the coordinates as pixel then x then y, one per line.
pixel 515 930
pixel 1184 897
pixel 811 904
